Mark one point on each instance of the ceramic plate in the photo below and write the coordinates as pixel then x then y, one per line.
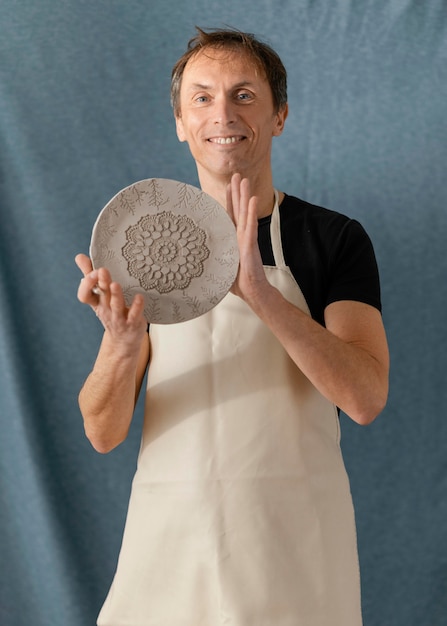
pixel 170 242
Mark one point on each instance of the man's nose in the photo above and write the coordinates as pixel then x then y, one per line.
pixel 225 111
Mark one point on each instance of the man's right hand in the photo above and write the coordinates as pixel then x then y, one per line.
pixel 105 297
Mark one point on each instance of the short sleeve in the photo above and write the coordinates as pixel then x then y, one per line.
pixel 353 271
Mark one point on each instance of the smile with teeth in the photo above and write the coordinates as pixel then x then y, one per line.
pixel 226 140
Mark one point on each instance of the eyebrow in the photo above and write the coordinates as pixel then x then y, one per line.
pixel 244 83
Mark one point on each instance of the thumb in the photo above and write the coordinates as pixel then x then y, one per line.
pixel 84 263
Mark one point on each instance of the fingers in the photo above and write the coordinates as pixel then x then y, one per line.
pixel 233 197
pixel 243 208
pixel 252 218
pixel 84 263
pixel 113 294
pixel 236 188
pixel 136 309
pixel 88 282
pixel 106 298
pixel 241 188
pixel 116 316
pixel 238 200
pixel 87 287
pixel 94 281
pixel 229 203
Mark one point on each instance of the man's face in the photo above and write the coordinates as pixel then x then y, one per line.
pixel 227 115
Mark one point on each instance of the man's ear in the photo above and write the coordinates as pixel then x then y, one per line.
pixel 281 117
pixel 179 128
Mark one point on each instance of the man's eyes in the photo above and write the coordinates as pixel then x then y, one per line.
pixel 240 96
pixel 244 95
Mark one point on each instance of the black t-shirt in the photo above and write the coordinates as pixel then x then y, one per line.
pixel 330 255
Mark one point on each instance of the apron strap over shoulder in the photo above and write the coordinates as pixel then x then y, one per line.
pixel 275 235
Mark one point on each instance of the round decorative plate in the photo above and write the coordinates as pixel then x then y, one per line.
pixel 172 243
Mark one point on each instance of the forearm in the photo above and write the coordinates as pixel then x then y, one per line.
pixel 347 373
pixel 348 360
pixel 108 396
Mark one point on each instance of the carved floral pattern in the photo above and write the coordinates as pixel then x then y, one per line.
pixel 165 251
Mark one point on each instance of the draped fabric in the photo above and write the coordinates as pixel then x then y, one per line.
pixel 84 111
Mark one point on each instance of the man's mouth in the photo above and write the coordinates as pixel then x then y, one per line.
pixel 226 140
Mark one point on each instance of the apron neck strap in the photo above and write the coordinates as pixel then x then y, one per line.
pixel 275 234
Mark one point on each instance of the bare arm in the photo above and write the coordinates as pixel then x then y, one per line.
pixel 348 360
pixel 108 396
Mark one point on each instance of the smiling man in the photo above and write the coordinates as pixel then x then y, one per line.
pixel 241 510
pixel 225 111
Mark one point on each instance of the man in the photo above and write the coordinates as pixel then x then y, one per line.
pixel 240 510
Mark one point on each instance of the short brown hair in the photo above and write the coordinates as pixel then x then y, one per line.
pixel 261 53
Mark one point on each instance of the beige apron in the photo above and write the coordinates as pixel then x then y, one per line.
pixel 240 512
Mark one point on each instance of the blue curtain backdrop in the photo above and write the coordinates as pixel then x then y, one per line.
pixel 84 112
